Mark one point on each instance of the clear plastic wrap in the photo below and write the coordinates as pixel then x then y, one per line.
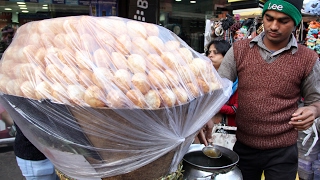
pixel 108 97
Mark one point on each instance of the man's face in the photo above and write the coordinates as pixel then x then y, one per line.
pixel 278 28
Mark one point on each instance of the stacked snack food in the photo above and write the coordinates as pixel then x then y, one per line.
pixel 111 72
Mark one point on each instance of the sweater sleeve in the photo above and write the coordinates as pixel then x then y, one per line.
pixel 231 107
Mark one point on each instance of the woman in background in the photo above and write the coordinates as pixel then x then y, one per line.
pixel 216 51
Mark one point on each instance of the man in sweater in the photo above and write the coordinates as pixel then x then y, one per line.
pixel 274 71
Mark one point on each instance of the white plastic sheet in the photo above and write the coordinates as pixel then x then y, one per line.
pixel 126 96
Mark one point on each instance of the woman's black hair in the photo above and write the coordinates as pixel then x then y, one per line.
pixel 222 46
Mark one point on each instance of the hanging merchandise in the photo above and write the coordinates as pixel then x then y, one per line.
pixel 312 7
pixel 260 29
pixel 213 30
pixel 218 29
pixel 313 36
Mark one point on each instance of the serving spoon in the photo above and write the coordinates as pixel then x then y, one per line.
pixel 211 152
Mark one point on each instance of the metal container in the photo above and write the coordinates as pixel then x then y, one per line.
pixel 197 166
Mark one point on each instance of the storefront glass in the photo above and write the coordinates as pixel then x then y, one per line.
pixel 187 18
pixel 18 13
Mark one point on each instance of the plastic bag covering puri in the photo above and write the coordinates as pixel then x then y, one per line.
pixel 107 96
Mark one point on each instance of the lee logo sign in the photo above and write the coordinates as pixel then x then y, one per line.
pixel 275 7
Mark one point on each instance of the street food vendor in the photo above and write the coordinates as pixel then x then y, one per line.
pixel 273 72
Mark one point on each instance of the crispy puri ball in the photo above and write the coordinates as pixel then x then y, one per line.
pixel 3 82
pixel 168 97
pixel 140 46
pixel 115 27
pixel 214 86
pixel 172 45
pixel 122 78
pixel 83 59
pixel 123 44
pixel 152 29
pixel 116 99
pixel 182 96
pixel 106 40
pixel 6 68
pixel 34 39
pixel 185 73
pixel 204 86
pixel 39 57
pixel 158 79
pixel 59 40
pixel 70 74
pixel 17 86
pixel 59 93
pixel 27 71
pixel 47 39
pixel 153 99
pixel 67 56
pixel 119 61
pixel 136 98
pixel 194 69
pixel 72 40
pixel 201 64
pixel 10 87
pixel 154 61
pixel 136 29
pixel 136 63
pixel 94 96
pixel 89 42
pixel 102 58
pixel 156 44
pixel 53 73
pixel 193 89
pixel 172 77
pixel 28 89
pixel 76 93
pixel 140 82
pixel 25 54
pixel 186 54
pixel 85 77
pixel 43 90
pixel 170 60
pixel 102 77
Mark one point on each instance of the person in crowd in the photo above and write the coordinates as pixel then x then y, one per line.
pixel 273 71
pixel 216 50
pixel 6 118
pixel 7 35
pixel 33 164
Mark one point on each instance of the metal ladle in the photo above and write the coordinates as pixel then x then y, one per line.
pixel 211 152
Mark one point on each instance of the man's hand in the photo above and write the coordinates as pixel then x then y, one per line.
pixel 205 134
pixel 303 117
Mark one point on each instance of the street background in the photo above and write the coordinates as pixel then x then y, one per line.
pixel 9 170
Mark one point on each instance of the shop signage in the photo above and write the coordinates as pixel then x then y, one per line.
pixel 104 8
pixel 58 2
pixel 32 1
pixel 5 17
pixel 144 10
pixel 72 2
pixel 45 1
pixel 84 2
pixel 69 2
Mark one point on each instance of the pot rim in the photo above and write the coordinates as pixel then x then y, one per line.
pixel 225 151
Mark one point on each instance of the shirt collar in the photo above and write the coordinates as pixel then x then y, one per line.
pixel 293 44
